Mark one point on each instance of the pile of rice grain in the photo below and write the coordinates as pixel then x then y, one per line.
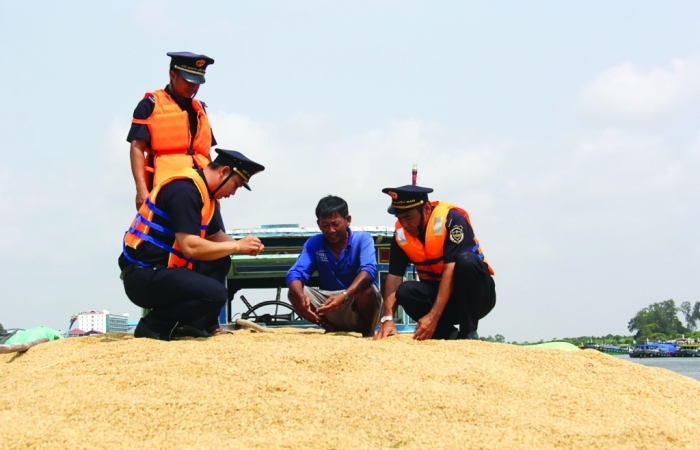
pixel 303 389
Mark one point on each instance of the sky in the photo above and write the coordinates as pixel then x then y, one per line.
pixel 569 131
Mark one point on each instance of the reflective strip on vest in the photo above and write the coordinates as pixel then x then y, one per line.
pixel 437 226
pixel 401 236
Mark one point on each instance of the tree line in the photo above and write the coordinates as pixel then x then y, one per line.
pixel 657 322
pixel 660 321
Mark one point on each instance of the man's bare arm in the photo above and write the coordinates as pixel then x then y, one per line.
pixel 138 165
pixel 359 284
pixel 220 237
pixel 205 250
pixel 391 285
pixel 301 303
pixel 427 324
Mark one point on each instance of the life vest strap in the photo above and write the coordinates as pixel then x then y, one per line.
pixel 157 210
pixel 475 249
pixel 155 226
pixel 428 274
pixel 129 258
pixel 180 151
pixel 159 244
pixel 430 262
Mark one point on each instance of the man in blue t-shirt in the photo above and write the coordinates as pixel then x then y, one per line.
pixel 348 298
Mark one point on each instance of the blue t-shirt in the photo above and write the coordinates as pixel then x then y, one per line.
pixel 357 256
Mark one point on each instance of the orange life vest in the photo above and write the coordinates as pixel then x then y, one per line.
pixel 429 258
pixel 139 231
pixel 172 147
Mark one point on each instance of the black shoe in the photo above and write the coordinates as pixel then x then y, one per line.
pixel 189 331
pixel 473 335
pixel 453 336
pixel 446 333
pixel 142 330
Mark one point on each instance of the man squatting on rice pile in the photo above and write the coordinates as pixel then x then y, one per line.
pixel 456 284
pixel 348 299
pixel 176 253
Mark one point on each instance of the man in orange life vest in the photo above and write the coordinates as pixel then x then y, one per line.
pixel 176 253
pixel 456 285
pixel 170 130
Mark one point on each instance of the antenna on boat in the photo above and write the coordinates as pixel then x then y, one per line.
pixel 414 174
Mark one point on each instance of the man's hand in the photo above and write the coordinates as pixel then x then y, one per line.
pixel 302 305
pixel 387 329
pixel 305 310
pixel 426 327
pixel 141 195
pixel 250 245
pixel 332 304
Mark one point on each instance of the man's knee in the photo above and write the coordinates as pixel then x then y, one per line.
pixel 216 293
pixel 368 293
pixel 368 297
pixel 471 264
pixel 405 292
pixel 221 268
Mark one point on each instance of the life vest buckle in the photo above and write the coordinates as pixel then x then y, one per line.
pixel 190 151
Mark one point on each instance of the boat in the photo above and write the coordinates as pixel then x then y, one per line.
pixel 653 350
pixel 688 351
pixel 608 349
pixel 283 244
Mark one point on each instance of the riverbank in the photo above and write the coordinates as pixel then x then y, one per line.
pixel 303 389
pixel 689 367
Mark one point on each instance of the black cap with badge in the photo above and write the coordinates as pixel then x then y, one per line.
pixel 406 197
pixel 192 67
pixel 244 167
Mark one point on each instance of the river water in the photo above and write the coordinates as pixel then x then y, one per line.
pixel 690 367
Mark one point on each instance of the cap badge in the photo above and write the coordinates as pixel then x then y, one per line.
pixel 200 63
pixel 393 195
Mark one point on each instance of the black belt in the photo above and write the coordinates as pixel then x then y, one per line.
pixel 130 268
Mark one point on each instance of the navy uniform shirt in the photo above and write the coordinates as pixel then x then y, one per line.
pixel 145 108
pixel 182 201
pixel 455 244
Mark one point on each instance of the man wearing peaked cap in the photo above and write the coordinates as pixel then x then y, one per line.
pixel 239 164
pixel 176 253
pixel 170 129
pixel 456 284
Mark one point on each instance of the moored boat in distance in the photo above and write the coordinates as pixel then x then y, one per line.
pixel 688 351
pixel 608 349
pixel 653 350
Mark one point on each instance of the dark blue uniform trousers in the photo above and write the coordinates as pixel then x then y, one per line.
pixel 180 296
pixel 473 297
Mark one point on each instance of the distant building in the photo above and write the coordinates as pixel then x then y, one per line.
pixel 75 332
pixel 102 321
